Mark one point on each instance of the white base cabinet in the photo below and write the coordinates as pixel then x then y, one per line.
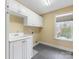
pixel 16 50
pixel 21 49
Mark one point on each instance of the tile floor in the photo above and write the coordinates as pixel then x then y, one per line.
pixel 46 52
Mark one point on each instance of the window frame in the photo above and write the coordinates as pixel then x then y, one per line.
pixel 60 15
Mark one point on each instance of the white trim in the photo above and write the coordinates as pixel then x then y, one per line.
pixel 35 44
pixel 66 14
pixel 63 48
pixel 64 39
pixel 7 34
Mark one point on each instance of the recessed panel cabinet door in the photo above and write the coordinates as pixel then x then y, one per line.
pixel 24 49
pixel 27 48
pixel 17 49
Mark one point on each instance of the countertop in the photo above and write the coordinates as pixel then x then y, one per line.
pixel 16 38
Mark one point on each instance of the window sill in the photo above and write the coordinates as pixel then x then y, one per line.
pixel 60 38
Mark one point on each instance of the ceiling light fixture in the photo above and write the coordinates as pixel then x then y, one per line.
pixel 47 2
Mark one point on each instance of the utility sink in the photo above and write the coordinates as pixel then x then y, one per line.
pixel 18 36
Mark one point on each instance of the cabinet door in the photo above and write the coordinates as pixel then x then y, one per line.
pixel 33 20
pixel 11 44
pixel 17 50
pixel 27 48
pixel 40 21
pixel 13 6
pixel 24 49
pixel 16 7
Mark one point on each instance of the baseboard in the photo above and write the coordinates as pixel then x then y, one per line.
pixel 35 44
pixel 67 49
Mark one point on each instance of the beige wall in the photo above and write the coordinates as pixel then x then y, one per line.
pixel 16 24
pixel 48 32
pixel 35 31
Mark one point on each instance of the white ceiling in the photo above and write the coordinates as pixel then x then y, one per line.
pixel 39 6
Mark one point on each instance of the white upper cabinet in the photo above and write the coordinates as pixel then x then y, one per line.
pixel 31 18
pixel 14 6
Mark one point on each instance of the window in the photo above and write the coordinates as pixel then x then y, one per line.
pixel 64 27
